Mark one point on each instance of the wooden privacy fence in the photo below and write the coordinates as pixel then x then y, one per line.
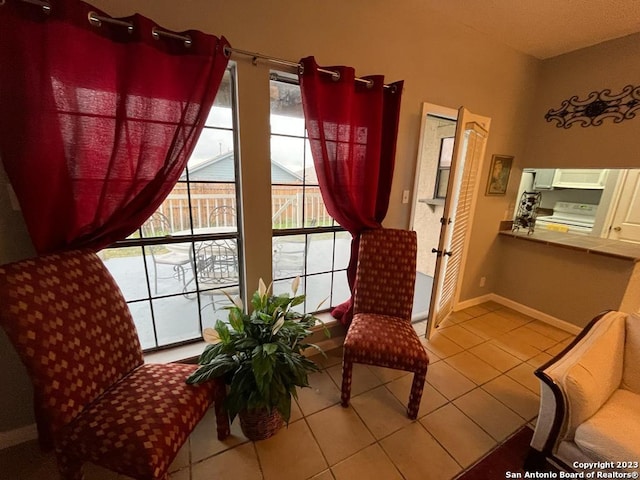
pixel 215 205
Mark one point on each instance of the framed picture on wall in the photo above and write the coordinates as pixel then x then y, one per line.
pixel 499 174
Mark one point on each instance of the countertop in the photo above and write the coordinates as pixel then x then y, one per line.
pixel 584 243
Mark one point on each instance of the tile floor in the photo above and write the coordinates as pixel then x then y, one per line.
pixel 480 389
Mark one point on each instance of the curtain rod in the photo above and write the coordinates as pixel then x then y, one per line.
pixel 96 20
pixel 335 75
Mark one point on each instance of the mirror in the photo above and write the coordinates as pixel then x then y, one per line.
pixel 597 202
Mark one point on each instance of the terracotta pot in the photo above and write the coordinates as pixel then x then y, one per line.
pixel 260 424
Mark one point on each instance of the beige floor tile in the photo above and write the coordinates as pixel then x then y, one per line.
pixel 516 318
pixel 381 411
pixel 339 432
pixel 479 326
pixel 184 474
pixel 239 463
pixel 431 398
pixel 182 458
pixel 204 439
pixel 539 359
pixel 386 374
pixel 517 347
pixel 558 347
pixel 26 461
pixel 459 317
pixel 372 462
pixel 549 330
pixel 442 346
pixel 362 378
pixel 322 394
pixel 94 472
pixel 433 357
pixel 494 417
pixel 523 374
pixel 476 310
pixel 408 446
pixel 306 462
pixel 420 327
pixel 533 337
pixel 514 395
pixel 462 336
pixel 326 475
pixel 456 432
pixel 472 367
pixel 296 413
pixel 495 356
pixel 330 358
pixel 492 306
pixel 448 381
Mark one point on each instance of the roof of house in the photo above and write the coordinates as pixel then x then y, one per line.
pixel 221 169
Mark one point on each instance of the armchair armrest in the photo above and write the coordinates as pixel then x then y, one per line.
pixel 579 380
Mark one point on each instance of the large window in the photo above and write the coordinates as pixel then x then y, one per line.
pixel 306 240
pixel 176 269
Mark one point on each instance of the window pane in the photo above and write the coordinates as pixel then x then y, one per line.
pixel 288 256
pixel 127 268
pixel 342 250
pixel 287 160
pixel 212 307
pixel 176 319
pixel 221 113
pixel 141 313
pixel 315 211
pixel 286 205
pixel 320 258
pixel 446 151
pixel 340 292
pixel 310 176
pixel 443 183
pixel 284 286
pixel 213 208
pixel 212 158
pixel 318 292
pixel 169 268
pixel 287 116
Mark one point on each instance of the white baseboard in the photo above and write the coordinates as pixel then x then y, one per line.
pixel 18 436
pixel 518 307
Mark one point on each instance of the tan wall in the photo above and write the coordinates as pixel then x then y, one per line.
pixel 441 62
pixel 568 284
pixel 609 65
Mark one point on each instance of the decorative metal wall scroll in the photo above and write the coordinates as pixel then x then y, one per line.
pixel 527 211
pixel 596 107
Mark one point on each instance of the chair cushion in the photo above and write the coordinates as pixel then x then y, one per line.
pixel 137 427
pixel 631 372
pixel 596 375
pixel 385 341
pixel 612 433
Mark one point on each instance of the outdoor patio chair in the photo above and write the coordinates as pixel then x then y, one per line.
pixel 158 225
pixel 216 268
pixel 223 216
pixel 380 332
pixel 95 399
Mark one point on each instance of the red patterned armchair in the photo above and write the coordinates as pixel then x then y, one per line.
pixel 95 399
pixel 381 332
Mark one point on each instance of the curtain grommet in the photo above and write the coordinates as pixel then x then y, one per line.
pixel 226 51
pixel 300 69
pixel 335 76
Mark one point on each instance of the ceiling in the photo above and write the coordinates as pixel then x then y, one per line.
pixel 545 28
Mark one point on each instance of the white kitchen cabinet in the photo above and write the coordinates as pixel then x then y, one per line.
pixel 587 178
pixel 543 178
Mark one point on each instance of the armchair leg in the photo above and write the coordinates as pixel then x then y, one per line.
pixel 416 394
pixel 347 370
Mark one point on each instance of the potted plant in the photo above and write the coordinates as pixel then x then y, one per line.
pixel 260 355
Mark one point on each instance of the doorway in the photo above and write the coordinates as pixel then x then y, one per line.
pixel 452 147
pixel 432 175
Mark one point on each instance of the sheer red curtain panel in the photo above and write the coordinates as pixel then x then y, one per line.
pixel 352 126
pixel 98 119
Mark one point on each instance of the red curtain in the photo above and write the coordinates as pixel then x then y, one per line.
pixel 97 122
pixel 352 129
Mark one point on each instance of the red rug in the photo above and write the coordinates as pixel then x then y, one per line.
pixel 508 457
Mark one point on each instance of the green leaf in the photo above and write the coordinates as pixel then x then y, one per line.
pixel 297 300
pixel 223 331
pixel 270 348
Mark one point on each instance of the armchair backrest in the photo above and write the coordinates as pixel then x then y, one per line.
pixel 71 327
pixel 631 371
pixel 386 273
